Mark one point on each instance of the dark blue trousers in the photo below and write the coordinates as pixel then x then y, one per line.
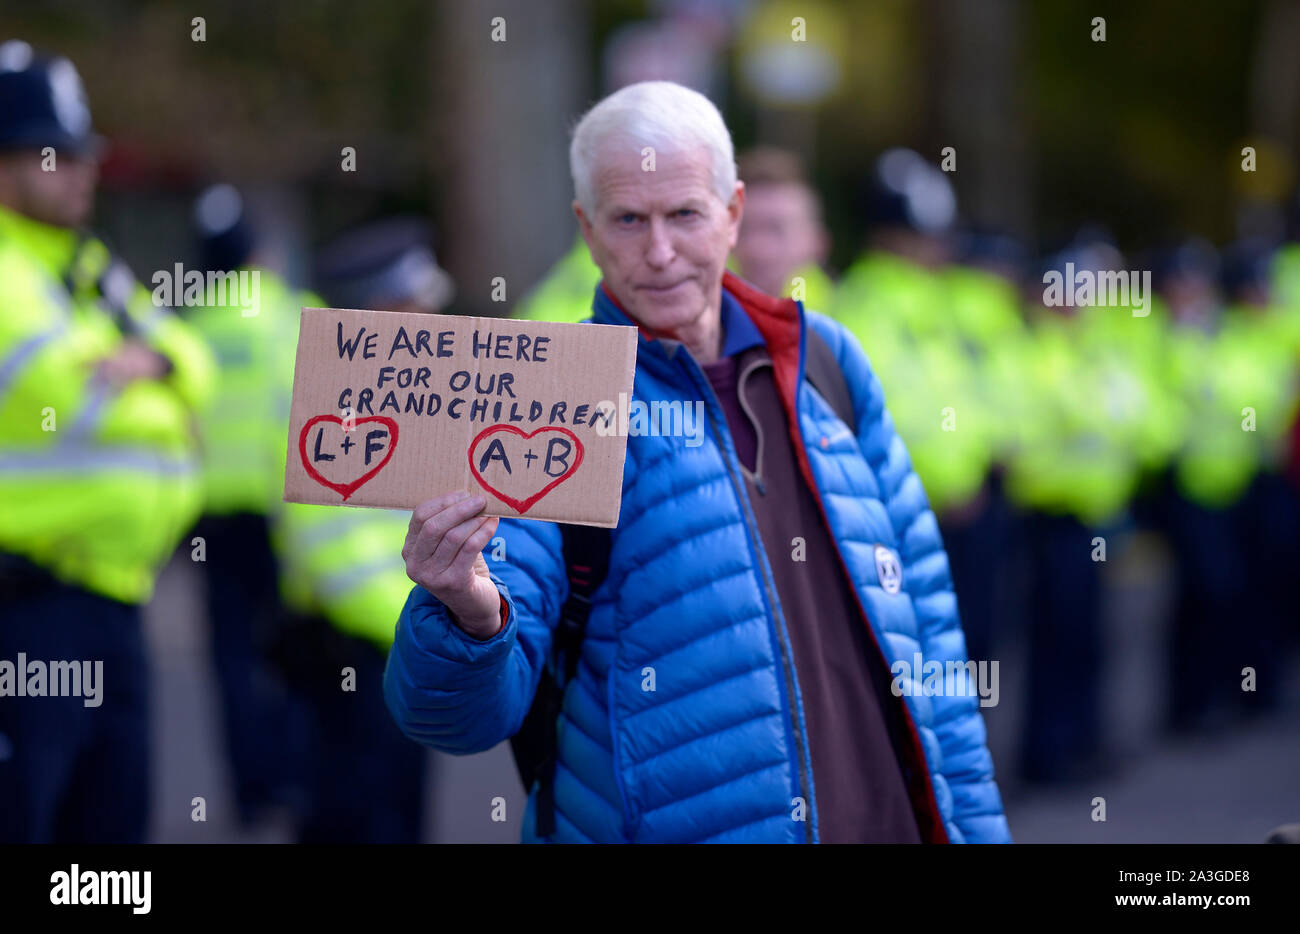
pixel 262 730
pixel 1269 622
pixel 978 550
pixel 1209 619
pixel 71 773
pixel 1062 731
pixel 367 779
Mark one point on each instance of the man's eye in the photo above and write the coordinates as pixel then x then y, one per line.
pixel 685 212
pixel 627 218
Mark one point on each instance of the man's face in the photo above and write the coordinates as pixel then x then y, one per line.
pixel 661 238
pixel 63 197
pixel 782 233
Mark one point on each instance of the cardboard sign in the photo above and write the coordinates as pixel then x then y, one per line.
pixel 392 409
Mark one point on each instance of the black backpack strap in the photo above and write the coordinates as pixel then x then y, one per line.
pixel 823 371
pixel 536 745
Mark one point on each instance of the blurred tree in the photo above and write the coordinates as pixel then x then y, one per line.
pixel 1135 130
pixel 1142 131
pixel 502 132
pixel 978 107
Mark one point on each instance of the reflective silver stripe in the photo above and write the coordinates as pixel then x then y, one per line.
pixel 90 414
pixel 10 366
pixel 326 529
pixel 84 459
pixel 59 295
pixel 147 325
pixel 335 585
pixel 349 520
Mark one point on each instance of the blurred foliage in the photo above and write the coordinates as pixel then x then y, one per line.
pixel 274 91
pixel 1142 132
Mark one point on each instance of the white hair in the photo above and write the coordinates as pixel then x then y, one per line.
pixel 665 116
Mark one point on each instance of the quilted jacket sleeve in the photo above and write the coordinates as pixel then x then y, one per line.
pixel 967 766
pixel 452 692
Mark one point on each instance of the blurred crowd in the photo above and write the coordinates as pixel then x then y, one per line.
pixel 1045 434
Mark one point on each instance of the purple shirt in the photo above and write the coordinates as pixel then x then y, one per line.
pixel 854 722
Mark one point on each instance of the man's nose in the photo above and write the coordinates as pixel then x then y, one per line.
pixel 659 251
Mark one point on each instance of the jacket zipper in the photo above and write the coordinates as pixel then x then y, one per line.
pixel 909 724
pixel 769 588
pixel 909 721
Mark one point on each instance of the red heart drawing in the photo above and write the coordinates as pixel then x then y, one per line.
pixel 523 505
pixel 346 489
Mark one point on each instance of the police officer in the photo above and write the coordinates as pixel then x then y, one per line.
pixel 1259 344
pixel 982 289
pixel 251 327
pixel 342 572
pixel 1207 475
pixel 98 477
pixel 896 297
pixel 783 242
pixel 1073 472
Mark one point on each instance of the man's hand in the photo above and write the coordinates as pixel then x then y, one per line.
pixel 444 555
pixel 132 361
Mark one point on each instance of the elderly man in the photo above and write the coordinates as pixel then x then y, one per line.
pixel 734 682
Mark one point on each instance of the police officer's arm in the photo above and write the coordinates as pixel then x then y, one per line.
pixel 448 688
pixel 193 372
pixel 967 765
pixel 45 360
pixel 49 391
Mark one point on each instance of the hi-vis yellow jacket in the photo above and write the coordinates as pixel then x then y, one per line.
pixel 1239 386
pixel 343 563
pixel 564 294
pixel 243 430
pixel 901 313
pixel 97 484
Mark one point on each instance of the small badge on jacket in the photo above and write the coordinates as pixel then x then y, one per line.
pixel 888 570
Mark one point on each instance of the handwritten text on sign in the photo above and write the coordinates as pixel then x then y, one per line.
pixel 390 409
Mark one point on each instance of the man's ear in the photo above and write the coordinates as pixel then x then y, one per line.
pixel 584 224
pixel 735 211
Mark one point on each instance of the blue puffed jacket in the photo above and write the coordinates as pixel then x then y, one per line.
pixel 718 751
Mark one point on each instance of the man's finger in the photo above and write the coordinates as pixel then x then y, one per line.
pixel 431 507
pixel 451 542
pixel 455 514
pixel 427 537
pixel 473 547
pixel 448 518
